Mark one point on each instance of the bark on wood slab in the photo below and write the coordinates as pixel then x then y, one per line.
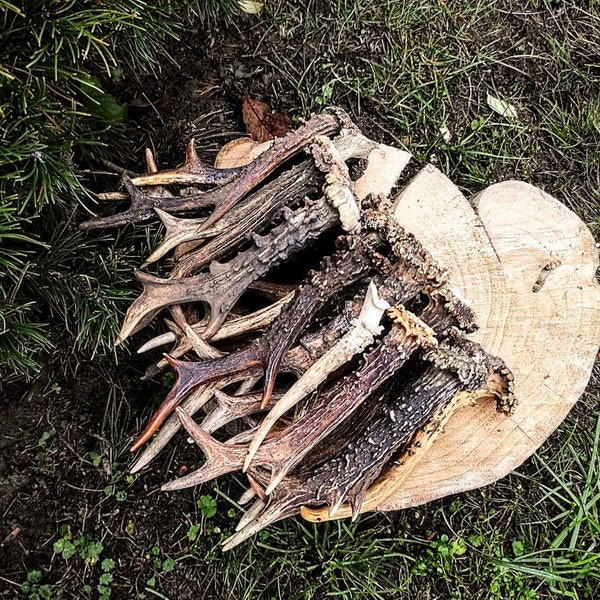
pixel 527 266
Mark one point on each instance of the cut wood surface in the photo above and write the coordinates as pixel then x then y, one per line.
pixel 526 264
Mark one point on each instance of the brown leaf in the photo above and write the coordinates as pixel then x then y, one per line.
pixel 261 123
pixel 239 153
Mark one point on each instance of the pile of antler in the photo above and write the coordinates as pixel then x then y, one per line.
pixel 374 337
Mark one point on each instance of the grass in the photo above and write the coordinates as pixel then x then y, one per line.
pixel 411 68
pixel 533 535
pixel 56 58
pixel 405 70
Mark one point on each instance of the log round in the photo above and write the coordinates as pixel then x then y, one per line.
pixel 526 264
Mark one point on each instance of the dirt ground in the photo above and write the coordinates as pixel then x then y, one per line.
pixel 64 436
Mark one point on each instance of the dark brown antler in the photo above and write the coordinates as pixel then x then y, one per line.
pixel 457 365
pixel 348 265
pixel 411 421
pixel 408 333
pixel 221 288
pixel 244 180
pixel 251 215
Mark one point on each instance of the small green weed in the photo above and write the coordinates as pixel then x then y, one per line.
pixel 161 563
pixel 33 589
pixel 83 547
pixel 88 550
pixel 45 438
pixel 207 506
pixel 105 579
pixel 440 557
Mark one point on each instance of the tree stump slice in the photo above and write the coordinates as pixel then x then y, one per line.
pixel 526 264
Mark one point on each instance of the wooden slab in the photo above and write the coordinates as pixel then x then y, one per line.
pixel 384 166
pixel 527 266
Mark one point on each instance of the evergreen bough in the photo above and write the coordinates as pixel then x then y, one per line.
pixel 52 58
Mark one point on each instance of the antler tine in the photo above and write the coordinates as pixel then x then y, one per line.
pixel 192 172
pixel 151 165
pixel 269 515
pixel 251 513
pixel 229 408
pixel 196 400
pixel 144 308
pixel 363 332
pixel 247 495
pixel 158 293
pixel 220 458
pixel 191 375
pixel 264 514
pixel 178 231
pixel 200 346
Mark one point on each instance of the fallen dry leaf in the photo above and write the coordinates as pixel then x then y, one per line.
pixel 239 153
pixel 502 107
pixel 251 6
pixel 261 123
